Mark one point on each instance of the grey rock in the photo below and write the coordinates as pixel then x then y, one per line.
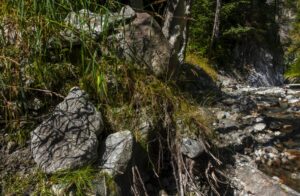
pixel 227 125
pixel 293 101
pixel 143 42
pixel 117 152
pixel 259 120
pixel 248 179
pixel 192 148
pixel 68 139
pixel 126 13
pixel 222 115
pixel 93 24
pixel 84 22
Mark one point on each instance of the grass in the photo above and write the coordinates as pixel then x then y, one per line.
pixel 18 184
pixel 203 63
pixel 38 183
pixel 80 180
pixel 294 71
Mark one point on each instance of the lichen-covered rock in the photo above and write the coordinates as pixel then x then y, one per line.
pixel 117 152
pixel 68 139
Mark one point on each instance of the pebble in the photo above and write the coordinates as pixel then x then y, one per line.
pixel 259 126
pixel 291 101
pixel 277 133
pixel 259 120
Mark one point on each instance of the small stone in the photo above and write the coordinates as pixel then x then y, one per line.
pixel 192 148
pixel 259 120
pixel 59 189
pixel 127 12
pixel 277 133
pixel 11 146
pixel 117 152
pixel 295 176
pixel 259 126
pixel 221 115
pixel 292 101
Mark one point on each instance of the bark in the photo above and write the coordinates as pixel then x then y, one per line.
pixel 137 4
pixel 216 27
pixel 175 27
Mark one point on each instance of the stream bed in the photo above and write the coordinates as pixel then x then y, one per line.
pixel 264 125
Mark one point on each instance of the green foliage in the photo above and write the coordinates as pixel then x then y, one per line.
pixel 201 26
pixel 293 71
pixel 239 20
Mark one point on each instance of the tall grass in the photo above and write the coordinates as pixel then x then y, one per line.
pixel 27 26
pixel 293 72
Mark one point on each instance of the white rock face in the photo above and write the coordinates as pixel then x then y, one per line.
pixel 117 150
pixel 68 139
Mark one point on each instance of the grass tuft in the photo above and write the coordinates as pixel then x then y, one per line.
pixel 203 64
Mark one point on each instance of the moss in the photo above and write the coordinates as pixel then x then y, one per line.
pixel 203 64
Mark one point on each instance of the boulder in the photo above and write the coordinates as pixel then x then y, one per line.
pixel 143 42
pixel 68 138
pixel 117 152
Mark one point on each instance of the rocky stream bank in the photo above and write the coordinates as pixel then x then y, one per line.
pixel 259 131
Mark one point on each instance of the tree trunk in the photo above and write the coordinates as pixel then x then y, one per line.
pixel 175 26
pixel 137 4
pixel 216 28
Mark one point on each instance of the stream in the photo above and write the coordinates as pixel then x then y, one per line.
pixel 262 124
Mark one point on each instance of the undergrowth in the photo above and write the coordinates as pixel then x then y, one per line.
pixel 203 63
pixel 37 64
